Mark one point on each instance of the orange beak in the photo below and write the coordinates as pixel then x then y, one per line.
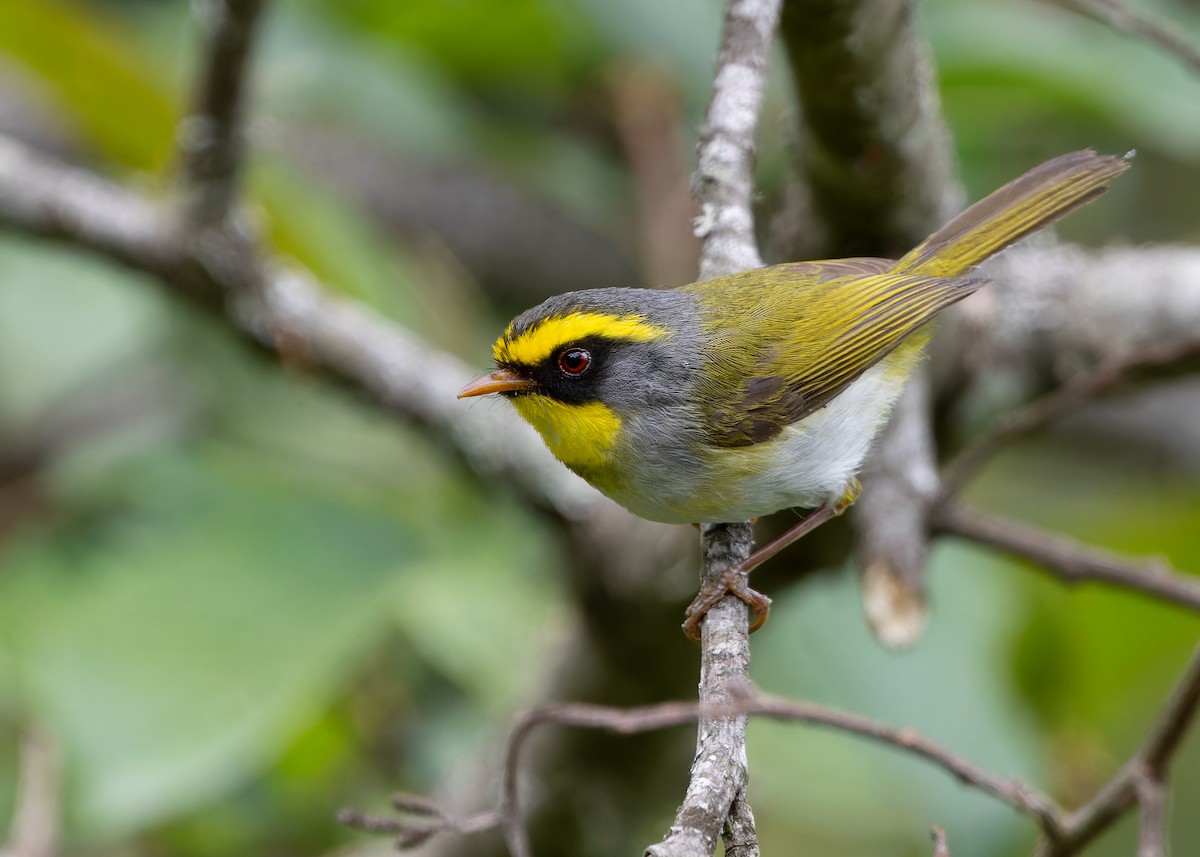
pixel 500 381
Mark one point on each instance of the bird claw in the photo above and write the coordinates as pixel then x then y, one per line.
pixel 731 582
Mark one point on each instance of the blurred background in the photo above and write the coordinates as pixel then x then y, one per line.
pixel 234 599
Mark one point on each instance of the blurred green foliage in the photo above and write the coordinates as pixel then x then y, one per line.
pixel 240 599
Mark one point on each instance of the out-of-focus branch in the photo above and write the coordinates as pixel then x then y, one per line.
pixel 1152 816
pixel 1121 17
pixel 873 147
pixel 37 815
pixel 877 158
pixel 648 115
pixel 522 246
pixel 1066 559
pixel 740 703
pixel 1064 833
pixel 941 848
pixel 1154 362
pixel 892 520
pixel 1054 311
pixel 285 311
pixel 723 186
pixel 210 139
pixel 1142 774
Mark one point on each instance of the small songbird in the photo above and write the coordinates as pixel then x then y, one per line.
pixel 735 397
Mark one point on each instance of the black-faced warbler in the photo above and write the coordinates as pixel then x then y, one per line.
pixel 741 395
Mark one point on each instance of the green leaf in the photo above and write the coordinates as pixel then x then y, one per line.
pixel 188 650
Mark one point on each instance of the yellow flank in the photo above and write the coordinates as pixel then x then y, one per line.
pixel 580 436
pixel 540 341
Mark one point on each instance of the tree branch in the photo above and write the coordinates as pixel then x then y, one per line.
pixel 1066 559
pixel 874 149
pixel 892 519
pixel 1151 762
pixel 723 187
pixel 285 311
pixel 1153 362
pixel 629 721
pixel 1122 18
pixel 877 156
pixel 1064 833
pixel 37 815
pixel 211 138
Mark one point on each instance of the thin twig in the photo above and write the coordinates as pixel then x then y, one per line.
pixel 1152 759
pixel 629 721
pixel 211 138
pixel 1121 17
pixel 1064 833
pixel 1056 404
pixel 419 821
pixel 1067 559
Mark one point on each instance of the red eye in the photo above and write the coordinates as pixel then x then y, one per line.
pixel 574 361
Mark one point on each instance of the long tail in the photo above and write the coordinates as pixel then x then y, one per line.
pixel 1021 207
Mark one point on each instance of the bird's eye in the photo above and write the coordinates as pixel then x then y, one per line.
pixel 573 361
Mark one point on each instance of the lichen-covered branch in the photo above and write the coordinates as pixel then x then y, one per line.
pixel 873 147
pixel 877 160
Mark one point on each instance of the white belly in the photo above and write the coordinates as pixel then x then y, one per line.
pixel 810 463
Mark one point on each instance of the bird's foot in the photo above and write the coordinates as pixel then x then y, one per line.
pixel 731 582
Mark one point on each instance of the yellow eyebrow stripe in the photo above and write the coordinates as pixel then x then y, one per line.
pixel 540 341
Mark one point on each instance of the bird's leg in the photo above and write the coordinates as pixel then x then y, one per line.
pixel 733 579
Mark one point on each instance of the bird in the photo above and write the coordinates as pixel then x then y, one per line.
pixel 737 396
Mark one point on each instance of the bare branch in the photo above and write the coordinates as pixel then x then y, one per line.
pixel 211 138
pixel 1067 559
pixel 1064 833
pixel 1121 17
pixel 723 183
pixel 37 815
pixel 1152 812
pixel 874 150
pixel 1053 311
pixel 740 837
pixel 719 772
pixel 419 821
pixel 1151 760
pixel 892 519
pixel 940 847
pixel 723 186
pixel 628 721
pixel 1071 396
pixel 877 157
pixel 285 311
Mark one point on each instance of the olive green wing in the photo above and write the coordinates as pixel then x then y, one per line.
pixel 811 336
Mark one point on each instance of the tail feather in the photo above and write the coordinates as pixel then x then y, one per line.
pixel 1021 207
